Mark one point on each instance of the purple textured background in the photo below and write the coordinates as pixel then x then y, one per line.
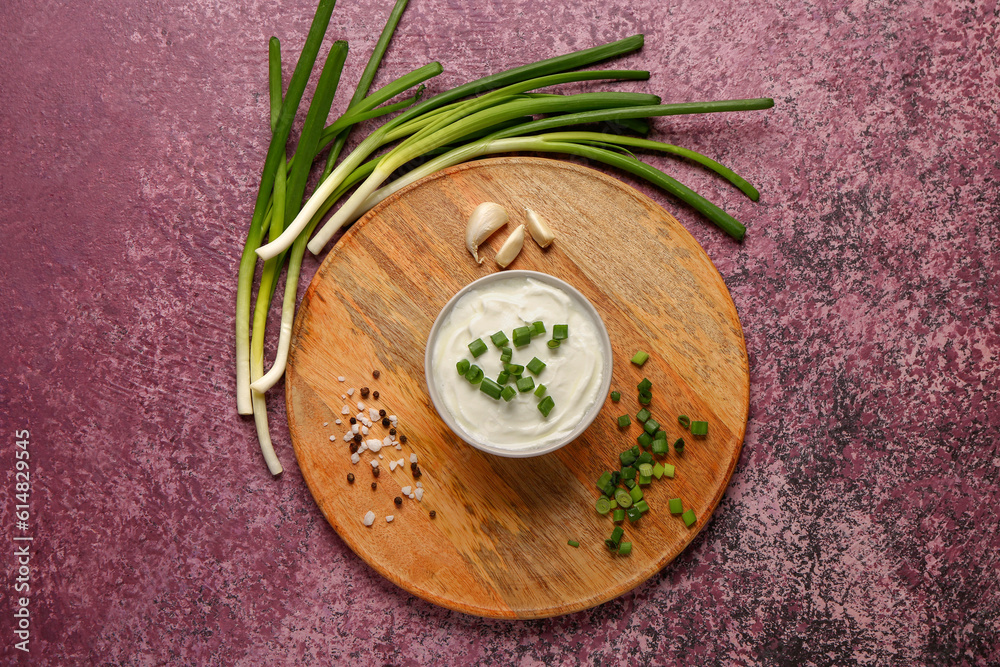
pixel 861 524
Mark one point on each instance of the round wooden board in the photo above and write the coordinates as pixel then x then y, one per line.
pixel 498 545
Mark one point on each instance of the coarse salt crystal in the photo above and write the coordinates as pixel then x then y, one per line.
pixel 332 438
pixel 345 411
pixel 420 485
pixel 341 378
pixel 369 518
pixel 338 422
pixel 355 428
pixel 361 406
pixel 347 436
pixel 401 463
pixel 343 396
pixel 327 423
pixel 374 463
pixel 355 458
pixel 380 456
pixel 363 447
pixel 398 446
pixel 413 458
pixel 406 490
pixel 393 419
pixel 392 465
pixel 364 430
pixel 374 444
pixel 386 441
pixel 389 518
pixel 419 493
pixel 412 496
pixel 373 414
pixel 350 392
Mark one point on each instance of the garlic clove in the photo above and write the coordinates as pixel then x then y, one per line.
pixel 539 229
pixel 485 219
pixel 511 247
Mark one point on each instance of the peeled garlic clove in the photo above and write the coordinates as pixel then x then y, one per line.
pixel 486 219
pixel 539 229
pixel 508 251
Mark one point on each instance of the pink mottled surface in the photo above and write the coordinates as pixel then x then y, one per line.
pixel 861 525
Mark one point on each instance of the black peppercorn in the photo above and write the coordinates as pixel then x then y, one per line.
pixel 433 514
pixel 392 431
pixel 375 472
pixel 385 422
pixel 354 447
pixel 350 478
pixel 381 413
pixel 364 392
pixel 374 486
pixel 402 439
pixel 413 465
pixel 375 374
pixel 417 472
pixel 357 438
pixel 398 501
pixel 375 395
pixel 353 420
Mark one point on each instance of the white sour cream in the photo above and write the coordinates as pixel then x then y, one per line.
pixel 572 376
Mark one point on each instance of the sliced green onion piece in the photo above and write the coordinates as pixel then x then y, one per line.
pixel 617 534
pixel 635 494
pixel 645 385
pixel 651 426
pixel 625 548
pixel 463 366
pixel 668 470
pixel 642 415
pixel 645 439
pixel 689 518
pixel 675 505
pixel 506 354
pixel 615 396
pixel 618 516
pixel 642 506
pixel 513 369
pixel 629 483
pixel 604 480
pixel 699 428
pixel 636 450
pixel 553 344
pixel 499 339
pixel 522 336
pixel 657 471
pixel 645 397
pixel 535 366
pixel 644 457
pixel 524 385
pixel 627 458
pixel 537 328
pixel 640 357
pixel 474 374
pixel 560 332
pixel 624 421
pixel 503 377
pixel 540 390
pixel 645 469
pixel 632 513
pixel 573 543
pixel 490 388
pixel 659 447
pixel 623 498
pixel 679 446
pixel 614 505
pixel 628 472
pixel 644 480
pixel 684 421
pixel 545 405
pixel 508 393
pixel 477 347
pixel 602 505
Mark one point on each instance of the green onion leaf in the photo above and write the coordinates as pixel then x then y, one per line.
pixel 623 498
pixel 540 390
pixel 668 470
pixel 684 421
pixel 477 347
pixel 651 426
pixel 560 332
pixel 526 384
pixel 679 445
pixel 645 385
pixel 499 339
pixel 553 344
pixel 640 357
pixel 618 516
pixel 632 513
pixel 545 405
pixel 624 421
pixel 474 374
pixel 522 336
pixel 463 366
pixel 573 543
pixel 508 393
pixel 625 548
pixel 537 328
pixel 689 518
pixel 602 505
pixel 699 428
pixel 642 415
pixel 675 505
pixel 615 397
pixel 535 366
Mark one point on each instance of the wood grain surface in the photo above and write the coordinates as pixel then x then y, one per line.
pixel 498 544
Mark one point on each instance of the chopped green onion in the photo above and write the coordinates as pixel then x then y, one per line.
pixel 513 369
pixel 699 428
pixel 522 336
pixel 616 535
pixel 540 390
pixel 660 435
pixel 463 366
pixel 615 396
pixel 506 354
pixel 679 445
pixel 474 374
pixel 640 357
pixel 524 385
pixel 603 481
pixel 508 393
pixel 668 470
pixel 636 450
pixel 642 415
pixel 635 494
pixel 627 457
pixel 675 505
pixel 684 421
pixel 651 426
pixel 688 517
pixel 644 457
pixel 477 347
pixel 537 328
pixel 657 471
pixel 618 516
pixel 503 377
pixel 560 332
pixel 628 472
pixel 624 421
pixel 645 385
pixel 535 366
pixel 645 439
pixel 660 446
pixel 602 505
pixel 625 548
pixel 573 543
pixel 642 506
pixel 553 344
pixel 645 397
pixel 545 405
pixel 645 479
pixel 623 498
pixel 499 339
pixel 613 503
pixel 645 469
pixel 629 483
pixel 490 388
pixel 633 514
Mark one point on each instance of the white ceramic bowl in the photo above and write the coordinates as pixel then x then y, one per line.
pixel 587 417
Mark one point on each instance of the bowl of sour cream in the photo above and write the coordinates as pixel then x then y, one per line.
pixel 497 310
